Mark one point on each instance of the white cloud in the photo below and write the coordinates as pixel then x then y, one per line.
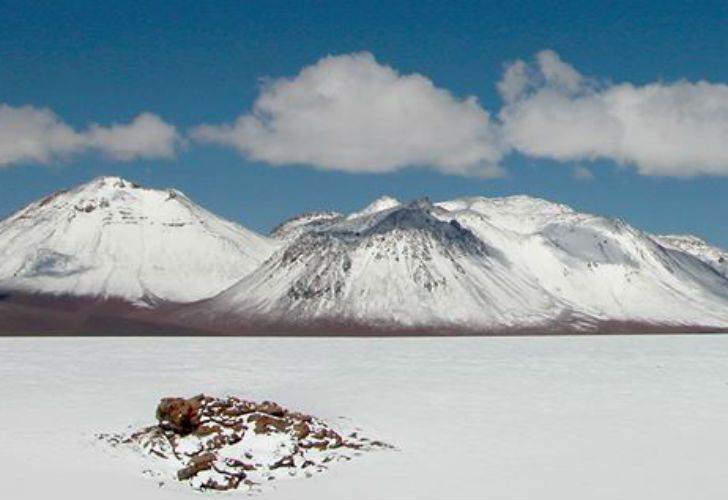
pixel 351 113
pixel 557 73
pixel 515 80
pixel 664 129
pixel 36 135
pixel 147 136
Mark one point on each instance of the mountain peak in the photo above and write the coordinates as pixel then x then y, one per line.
pixel 520 204
pixel 290 229
pixel 114 180
pixel 112 238
pixel 109 182
pixel 114 194
pixel 379 205
pixel 423 203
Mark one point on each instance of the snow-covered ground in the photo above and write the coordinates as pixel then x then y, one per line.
pixel 612 418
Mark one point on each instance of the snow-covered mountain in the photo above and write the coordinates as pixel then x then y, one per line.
pixel 470 265
pixel 603 268
pixel 398 266
pixel 113 239
pixel 715 257
pixel 474 264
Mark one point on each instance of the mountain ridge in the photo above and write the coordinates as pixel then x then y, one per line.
pixel 476 264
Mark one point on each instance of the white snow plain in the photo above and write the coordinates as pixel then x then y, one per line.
pixel 619 417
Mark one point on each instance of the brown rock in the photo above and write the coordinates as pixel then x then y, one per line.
pixel 234 462
pixel 301 416
pixel 195 465
pixel 271 408
pixel 286 461
pixel 319 434
pixel 319 445
pixel 231 482
pixel 179 415
pixel 206 430
pixel 264 424
pixel 301 430
pixel 235 407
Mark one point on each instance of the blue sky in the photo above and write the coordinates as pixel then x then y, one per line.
pixel 191 63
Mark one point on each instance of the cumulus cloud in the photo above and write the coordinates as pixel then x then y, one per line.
pixel 352 114
pixel 147 136
pixel 36 135
pixel 665 129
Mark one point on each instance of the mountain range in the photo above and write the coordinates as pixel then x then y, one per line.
pixel 113 257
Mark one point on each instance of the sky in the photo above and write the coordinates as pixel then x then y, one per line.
pixel 260 110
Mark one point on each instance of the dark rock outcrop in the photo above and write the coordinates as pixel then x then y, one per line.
pixel 179 415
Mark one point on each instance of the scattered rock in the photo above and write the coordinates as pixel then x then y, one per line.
pixel 286 461
pixel 197 464
pixel 228 443
pixel 265 424
pixel 301 430
pixel 271 408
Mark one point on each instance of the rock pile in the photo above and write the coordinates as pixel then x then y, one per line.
pixel 228 443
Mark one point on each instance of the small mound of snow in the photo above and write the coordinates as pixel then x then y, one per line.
pixel 229 443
